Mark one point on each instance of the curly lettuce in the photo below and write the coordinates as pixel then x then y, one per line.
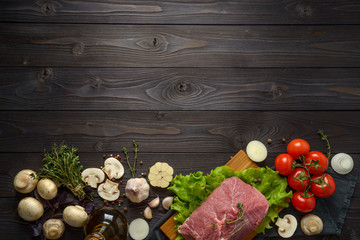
pixel 191 190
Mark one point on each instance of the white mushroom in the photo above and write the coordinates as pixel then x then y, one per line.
pixel 47 189
pixel 287 225
pixel 109 190
pixel 25 181
pixel 53 228
pixel 93 176
pixel 30 209
pixel 75 216
pixel 113 168
pixel 137 189
pixel 311 224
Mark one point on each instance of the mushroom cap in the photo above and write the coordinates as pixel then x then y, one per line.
pixel 287 225
pixel 109 190
pixel 30 209
pixel 113 168
pixel 75 216
pixel 137 189
pixel 47 189
pixel 53 228
pixel 93 176
pixel 311 224
pixel 24 182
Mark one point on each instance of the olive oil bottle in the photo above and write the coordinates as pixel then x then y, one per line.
pixel 106 223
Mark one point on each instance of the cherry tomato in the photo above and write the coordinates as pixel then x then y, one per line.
pixel 283 163
pixel 298 147
pixel 299 179
pixel 316 162
pixel 303 203
pixel 322 185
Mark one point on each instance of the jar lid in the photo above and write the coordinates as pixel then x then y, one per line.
pixel 342 163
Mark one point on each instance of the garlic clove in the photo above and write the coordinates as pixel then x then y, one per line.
pixel 155 202
pixel 166 202
pixel 148 213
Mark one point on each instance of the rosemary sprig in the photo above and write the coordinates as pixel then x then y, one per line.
pixel 240 217
pixel 62 165
pixel 324 138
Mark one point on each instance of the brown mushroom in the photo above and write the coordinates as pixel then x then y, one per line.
pixel 25 181
pixel 311 224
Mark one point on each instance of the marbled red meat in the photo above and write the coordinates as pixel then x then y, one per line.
pixel 221 206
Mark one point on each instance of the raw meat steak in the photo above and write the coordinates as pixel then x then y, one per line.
pixel 221 206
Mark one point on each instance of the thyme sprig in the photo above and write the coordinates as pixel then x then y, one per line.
pixel 240 217
pixel 62 165
pixel 136 150
pixel 324 138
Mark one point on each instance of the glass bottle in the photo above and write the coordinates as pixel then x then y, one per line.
pixel 106 223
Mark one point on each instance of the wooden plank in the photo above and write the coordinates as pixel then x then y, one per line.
pixel 24 88
pixel 75 45
pixel 239 162
pixel 182 12
pixel 175 131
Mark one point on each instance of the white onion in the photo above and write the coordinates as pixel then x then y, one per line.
pixel 138 229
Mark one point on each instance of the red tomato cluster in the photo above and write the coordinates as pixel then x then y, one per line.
pixel 306 174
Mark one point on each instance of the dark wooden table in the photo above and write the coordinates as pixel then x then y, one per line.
pixel 192 81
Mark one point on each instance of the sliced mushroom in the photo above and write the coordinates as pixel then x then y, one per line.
pixel 287 225
pixel 311 224
pixel 113 168
pixel 25 181
pixel 109 190
pixel 93 176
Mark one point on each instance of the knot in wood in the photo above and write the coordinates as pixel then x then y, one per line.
pixel 277 92
pixel 47 9
pixel 182 86
pixel 78 49
pixel 304 11
pixel 45 74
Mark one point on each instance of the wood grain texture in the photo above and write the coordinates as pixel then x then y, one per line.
pixel 24 88
pixel 182 12
pixel 75 45
pixel 174 131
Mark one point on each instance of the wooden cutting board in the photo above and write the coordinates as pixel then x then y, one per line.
pixel 239 162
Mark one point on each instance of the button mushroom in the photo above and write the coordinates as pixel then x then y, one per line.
pixel 113 168
pixel 287 225
pixel 25 181
pixel 53 228
pixel 75 216
pixel 311 224
pixel 30 209
pixel 93 176
pixel 47 189
pixel 109 190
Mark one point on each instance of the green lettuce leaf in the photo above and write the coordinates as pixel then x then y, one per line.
pixel 191 190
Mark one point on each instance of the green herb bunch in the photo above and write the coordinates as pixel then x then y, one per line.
pixel 62 165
